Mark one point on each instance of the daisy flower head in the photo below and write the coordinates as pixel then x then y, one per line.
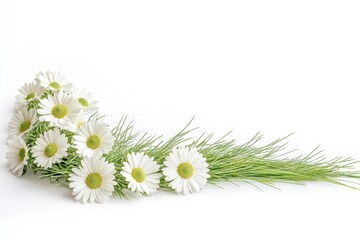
pixel 60 110
pixel 17 156
pixel 29 92
pixel 94 180
pixel 93 139
pixel 141 172
pixel 79 120
pixel 186 170
pixel 53 81
pixel 86 100
pixel 50 148
pixel 22 121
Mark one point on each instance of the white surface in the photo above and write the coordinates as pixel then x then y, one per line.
pixel 273 66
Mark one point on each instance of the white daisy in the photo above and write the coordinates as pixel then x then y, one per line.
pixel 22 121
pixel 50 148
pixel 17 156
pixel 93 139
pixel 79 120
pixel 141 172
pixel 186 170
pixel 53 81
pixel 93 181
pixel 60 110
pixel 29 92
pixel 86 100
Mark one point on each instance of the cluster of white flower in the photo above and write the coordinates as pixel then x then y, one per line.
pixel 53 100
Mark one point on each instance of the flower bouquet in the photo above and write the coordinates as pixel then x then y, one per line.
pixel 57 133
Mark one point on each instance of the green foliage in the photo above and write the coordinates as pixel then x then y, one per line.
pixel 228 161
pixel 271 163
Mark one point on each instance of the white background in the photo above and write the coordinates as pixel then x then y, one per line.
pixel 247 66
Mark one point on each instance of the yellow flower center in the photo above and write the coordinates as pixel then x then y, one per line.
pixel 55 85
pixel 30 96
pixel 93 180
pixel 79 124
pixel 22 153
pixel 138 174
pixel 50 150
pixel 185 170
pixel 93 141
pixel 25 125
pixel 83 102
pixel 59 111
